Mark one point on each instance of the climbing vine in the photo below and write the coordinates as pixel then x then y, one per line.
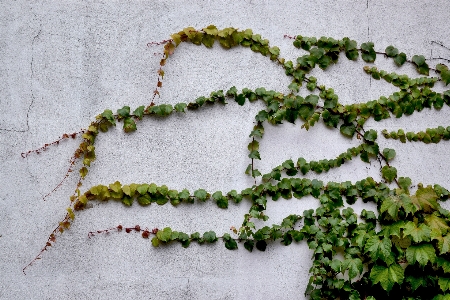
pixel 401 251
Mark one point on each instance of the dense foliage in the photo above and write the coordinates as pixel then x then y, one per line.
pixel 401 251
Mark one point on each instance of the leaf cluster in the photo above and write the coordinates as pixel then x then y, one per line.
pixel 400 251
pixel 430 135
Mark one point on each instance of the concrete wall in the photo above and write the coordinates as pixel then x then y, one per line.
pixel 63 62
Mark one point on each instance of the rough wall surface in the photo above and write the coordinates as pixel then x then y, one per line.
pixel 63 62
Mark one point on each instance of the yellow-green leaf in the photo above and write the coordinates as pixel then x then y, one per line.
pixel 443 243
pixel 420 233
pixel 426 199
pixel 387 276
pixel 422 254
pixel 438 225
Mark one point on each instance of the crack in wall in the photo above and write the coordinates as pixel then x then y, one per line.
pixel 368 20
pixel 31 86
pixel 32 100
pixel 32 74
pixel 368 35
pixel 439 43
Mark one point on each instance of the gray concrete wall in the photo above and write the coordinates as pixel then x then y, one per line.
pixel 63 62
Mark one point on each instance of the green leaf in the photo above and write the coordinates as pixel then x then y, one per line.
pixel 368 215
pixel 232 92
pixel 391 51
pixel 124 112
pixel 312 99
pixel 101 191
pixel 208 40
pixel 83 172
pixel 174 235
pixel 444 283
pixel 351 51
pixel 200 100
pixel 354 267
pixel 162 190
pixel 173 196
pixel 417 282
pixel 176 38
pixel 108 115
pixel 368 53
pixel 444 264
pixel 240 99
pixel 389 173
pixel 249 244
pixel 438 225
pixel 400 59
pixel 348 129
pixel 419 60
pixel 210 236
pixel 422 254
pixel 139 112
pixel 421 65
pixel 305 111
pixel 371 149
pixel 387 276
pixel 142 188
pixel 388 153
pixel 116 190
pixel 262 116
pixel 201 195
pixel 184 195
pixel 317 52
pixel 129 125
pixel 261 245
pixel 164 235
pixel 211 30
pixel 180 107
pixel 336 265
pixel 445 73
pixel 404 183
pixel 256 173
pixel 378 249
pixel 420 233
pixel 275 51
pixel 162 110
pixel 370 135
pixel 230 243
pixel 304 166
pixel 293 86
pixel 425 198
pixel 443 244
pixel 130 190
pixel 127 200
pixel 254 155
pixel 254 145
pixel 144 199
pixel 393 204
pixel 222 201
pixel 155 242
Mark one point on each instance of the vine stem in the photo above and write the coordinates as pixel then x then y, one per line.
pixel 43 148
pixel 72 160
pixel 440 44
pixel 51 239
pixel 441 58
pixel 253 140
pixel 379 154
pixel 72 163
pixel 145 232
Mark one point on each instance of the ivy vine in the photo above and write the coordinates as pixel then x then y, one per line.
pixel 401 251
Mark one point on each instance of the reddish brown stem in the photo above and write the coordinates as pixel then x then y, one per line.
pixel 43 148
pixel 51 239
